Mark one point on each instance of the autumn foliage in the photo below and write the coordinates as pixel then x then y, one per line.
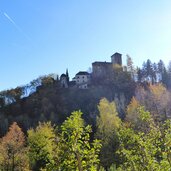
pixel 13 154
pixel 140 141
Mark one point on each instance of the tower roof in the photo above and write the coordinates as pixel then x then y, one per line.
pixel 63 75
pixel 115 54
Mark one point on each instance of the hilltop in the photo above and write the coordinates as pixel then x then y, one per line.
pixel 46 98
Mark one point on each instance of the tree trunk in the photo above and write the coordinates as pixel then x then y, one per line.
pixel 13 164
pixel 79 162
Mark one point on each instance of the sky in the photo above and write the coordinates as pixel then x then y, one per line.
pixel 42 37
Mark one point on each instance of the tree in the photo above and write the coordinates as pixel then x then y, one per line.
pixel 130 66
pixel 13 154
pixel 2 102
pixel 108 124
pixel 166 145
pixel 140 75
pixel 132 114
pixel 47 81
pixel 10 96
pixel 161 66
pixel 169 75
pixel 41 146
pixel 162 73
pixel 165 78
pixel 149 72
pixel 77 151
pixel 160 69
pixel 156 99
pixel 140 149
pixel 15 93
pixel 146 148
pixel 129 63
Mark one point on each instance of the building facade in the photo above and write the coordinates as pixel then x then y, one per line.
pixel 82 79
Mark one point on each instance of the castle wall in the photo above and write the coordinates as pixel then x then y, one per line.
pixel 101 69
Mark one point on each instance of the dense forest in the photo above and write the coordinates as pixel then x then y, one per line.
pixel 121 122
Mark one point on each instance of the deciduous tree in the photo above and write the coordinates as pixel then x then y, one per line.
pixel 13 153
pixel 108 124
pixel 77 151
pixel 156 99
pixel 132 114
pixel 41 143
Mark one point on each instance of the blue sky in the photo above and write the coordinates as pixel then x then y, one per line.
pixel 41 37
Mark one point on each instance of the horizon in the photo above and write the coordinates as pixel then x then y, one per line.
pixel 42 38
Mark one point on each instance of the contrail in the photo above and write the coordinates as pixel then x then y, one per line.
pixel 16 26
pixel 10 19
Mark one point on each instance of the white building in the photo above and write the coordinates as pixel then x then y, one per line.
pixel 82 79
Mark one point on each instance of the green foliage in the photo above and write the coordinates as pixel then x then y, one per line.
pixel 140 142
pixel 108 119
pixel 108 124
pixel 145 148
pixel 41 145
pixel 143 145
pixel 78 153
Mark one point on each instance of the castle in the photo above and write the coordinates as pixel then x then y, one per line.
pixel 99 70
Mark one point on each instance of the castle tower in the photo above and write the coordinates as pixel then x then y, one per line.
pixel 116 59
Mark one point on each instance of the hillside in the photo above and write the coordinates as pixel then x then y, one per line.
pixel 121 116
pixel 52 102
pixel 49 101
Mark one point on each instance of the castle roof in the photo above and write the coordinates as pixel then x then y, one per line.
pixel 82 73
pixel 101 63
pixel 116 54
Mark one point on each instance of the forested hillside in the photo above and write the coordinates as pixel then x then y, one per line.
pixel 118 123
pixel 52 102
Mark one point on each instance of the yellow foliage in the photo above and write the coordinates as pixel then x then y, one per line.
pixel 157 91
pixel 132 113
pixel 108 121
